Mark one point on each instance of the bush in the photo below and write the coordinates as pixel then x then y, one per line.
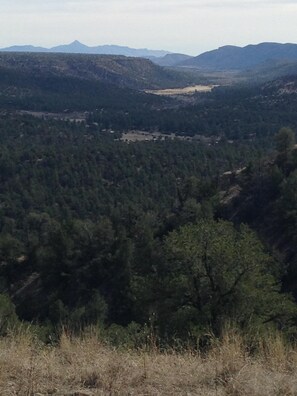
pixel 8 317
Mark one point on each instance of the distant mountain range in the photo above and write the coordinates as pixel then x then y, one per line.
pixel 78 48
pixel 242 58
pixel 159 57
pixel 222 59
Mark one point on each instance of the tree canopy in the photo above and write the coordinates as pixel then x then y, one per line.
pixel 215 273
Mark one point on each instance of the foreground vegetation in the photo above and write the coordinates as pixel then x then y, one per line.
pixel 88 365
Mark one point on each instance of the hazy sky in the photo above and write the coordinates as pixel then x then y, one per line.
pixel 188 26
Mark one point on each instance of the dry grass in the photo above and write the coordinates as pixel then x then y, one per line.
pixel 182 91
pixel 85 366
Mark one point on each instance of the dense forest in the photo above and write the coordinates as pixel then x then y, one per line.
pixel 171 236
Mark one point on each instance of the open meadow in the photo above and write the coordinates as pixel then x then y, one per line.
pixel 182 91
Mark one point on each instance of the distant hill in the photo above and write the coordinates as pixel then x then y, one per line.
pixel 24 48
pixel 136 73
pixel 238 58
pixel 78 48
pixel 170 60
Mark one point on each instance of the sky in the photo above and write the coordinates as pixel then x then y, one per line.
pixel 185 26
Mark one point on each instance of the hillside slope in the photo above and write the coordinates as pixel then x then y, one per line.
pixel 263 195
pixel 270 70
pixel 24 90
pixel 56 82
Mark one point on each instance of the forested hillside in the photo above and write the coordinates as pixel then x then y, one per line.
pixel 267 201
pixel 96 230
pixel 63 178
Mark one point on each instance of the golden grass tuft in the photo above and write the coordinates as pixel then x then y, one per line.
pixel 85 366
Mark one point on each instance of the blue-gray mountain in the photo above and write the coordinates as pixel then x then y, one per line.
pixel 243 58
pixel 78 48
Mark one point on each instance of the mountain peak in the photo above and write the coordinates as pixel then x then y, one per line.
pixel 77 43
pixel 74 47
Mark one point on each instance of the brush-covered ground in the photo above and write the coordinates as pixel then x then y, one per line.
pixel 86 365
